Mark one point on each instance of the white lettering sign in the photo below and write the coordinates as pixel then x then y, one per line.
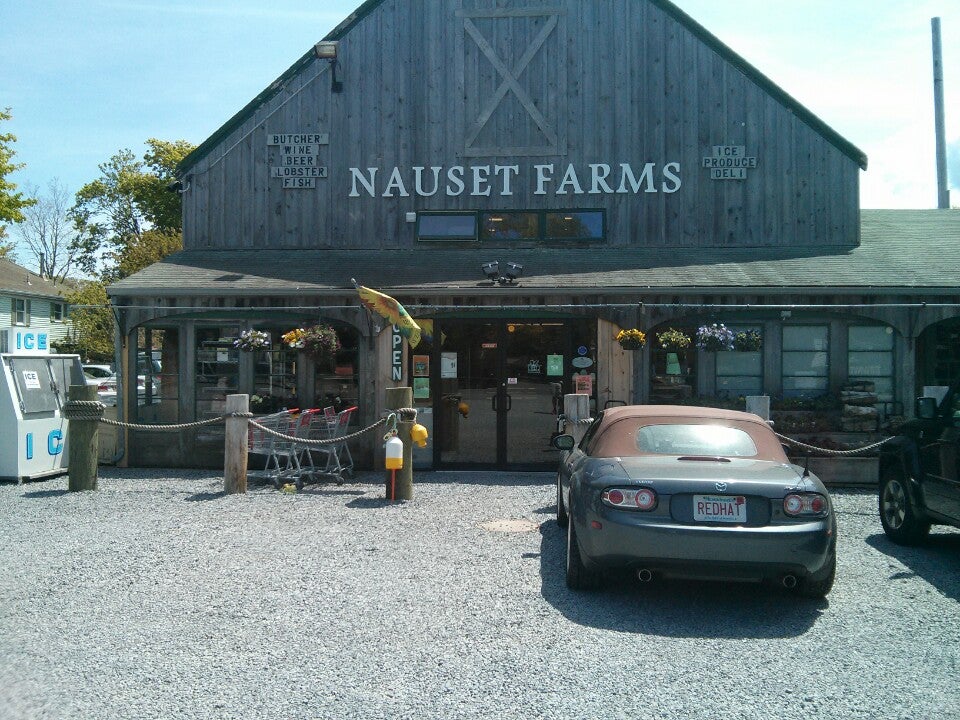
pixel 296 183
pixel 396 355
pixel 298 139
pixel 729 162
pixel 498 180
pixel 288 172
pixel 299 150
pixel 298 160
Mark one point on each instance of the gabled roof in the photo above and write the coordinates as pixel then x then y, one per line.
pixel 708 38
pixel 17 280
pixel 900 251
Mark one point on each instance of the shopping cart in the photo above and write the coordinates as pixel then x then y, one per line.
pixel 281 462
pixel 333 458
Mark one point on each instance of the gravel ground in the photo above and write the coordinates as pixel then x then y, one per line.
pixel 159 597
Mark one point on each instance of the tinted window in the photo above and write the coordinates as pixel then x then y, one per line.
pixel 448 226
pixel 575 225
pixel 695 440
pixel 509 226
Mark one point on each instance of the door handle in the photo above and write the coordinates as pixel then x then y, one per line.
pixel 493 402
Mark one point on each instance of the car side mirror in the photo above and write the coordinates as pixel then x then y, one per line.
pixel 926 408
pixel 564 442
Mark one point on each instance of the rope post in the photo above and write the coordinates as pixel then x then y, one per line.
pixel 83 438
pixel 236 446
pixel 402 397
pixel 575 409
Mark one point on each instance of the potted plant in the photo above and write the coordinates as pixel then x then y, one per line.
pixel 252 340
pixel 632 339
pixel 294 338
pixel 715 338
pixel 747 341
pixel 321 343
pixel 672 339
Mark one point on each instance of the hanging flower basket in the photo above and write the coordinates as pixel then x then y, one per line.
pixel 747 341
pixel 715 338
pixel 321 343
pixel 631 339
pixel 671 339
pixel 252 340
pixel 294 338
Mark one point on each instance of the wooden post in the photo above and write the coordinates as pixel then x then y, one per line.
pixel 83 443
pixel 236 447
pixel 402 397
pixel 576 408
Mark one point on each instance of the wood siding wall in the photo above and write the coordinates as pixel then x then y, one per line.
pixel 611 81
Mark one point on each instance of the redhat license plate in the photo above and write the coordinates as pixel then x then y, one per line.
pixel 720 508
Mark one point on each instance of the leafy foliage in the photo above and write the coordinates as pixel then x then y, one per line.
pixel 12 203
pixel 128 217
pixel 91 334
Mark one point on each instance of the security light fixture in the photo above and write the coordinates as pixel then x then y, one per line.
pixel 513 271
pixel 491 270
pixel 329 50
pixel 326 49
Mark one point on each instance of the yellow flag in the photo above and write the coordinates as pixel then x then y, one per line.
pixel 388 308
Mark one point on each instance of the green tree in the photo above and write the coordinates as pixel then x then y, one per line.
pixel 12 203
pixel 128 209
pixel 91 333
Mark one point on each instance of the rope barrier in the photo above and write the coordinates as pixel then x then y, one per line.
pixel 93 410
pixel 854 451
pixel 317 441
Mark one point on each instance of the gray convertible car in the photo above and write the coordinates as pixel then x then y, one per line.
pixel 692 492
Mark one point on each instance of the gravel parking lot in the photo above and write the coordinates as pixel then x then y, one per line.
pixel 159 597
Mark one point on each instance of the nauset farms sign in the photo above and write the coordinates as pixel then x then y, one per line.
pixel 502 180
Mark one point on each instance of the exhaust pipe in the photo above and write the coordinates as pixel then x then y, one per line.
pixel 789 581
pixel 644 575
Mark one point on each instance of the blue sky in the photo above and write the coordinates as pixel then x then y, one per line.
pixel 85 79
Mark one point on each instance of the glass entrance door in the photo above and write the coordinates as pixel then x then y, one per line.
pixel 533 391
pixel 501 387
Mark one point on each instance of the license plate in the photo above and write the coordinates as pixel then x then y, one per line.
pixel 720 508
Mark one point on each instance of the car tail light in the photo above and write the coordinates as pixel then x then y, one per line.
pixel 103 388
pixel 805 505
pixel 630 498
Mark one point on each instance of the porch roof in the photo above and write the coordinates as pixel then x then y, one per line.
pixel 900 250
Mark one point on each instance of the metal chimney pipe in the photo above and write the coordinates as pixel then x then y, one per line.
pixel 943 193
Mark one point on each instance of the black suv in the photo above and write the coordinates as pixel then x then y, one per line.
pixel 920 471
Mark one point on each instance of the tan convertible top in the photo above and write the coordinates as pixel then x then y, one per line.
pixel 617 435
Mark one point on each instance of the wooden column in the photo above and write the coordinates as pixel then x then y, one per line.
pixel 236 447
pixel 576 408
pixel 402 397
pixel 83 443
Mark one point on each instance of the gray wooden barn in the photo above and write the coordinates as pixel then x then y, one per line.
pixel 528 178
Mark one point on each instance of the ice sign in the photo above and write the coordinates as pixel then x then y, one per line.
pixel 31 380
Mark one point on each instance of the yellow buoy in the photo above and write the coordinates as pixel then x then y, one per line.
pixel 394 453
pixel 418 433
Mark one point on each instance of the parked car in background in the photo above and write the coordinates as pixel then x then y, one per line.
pixel 106 381
pixel 98 372
pixel 919 478
pixel 692 492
